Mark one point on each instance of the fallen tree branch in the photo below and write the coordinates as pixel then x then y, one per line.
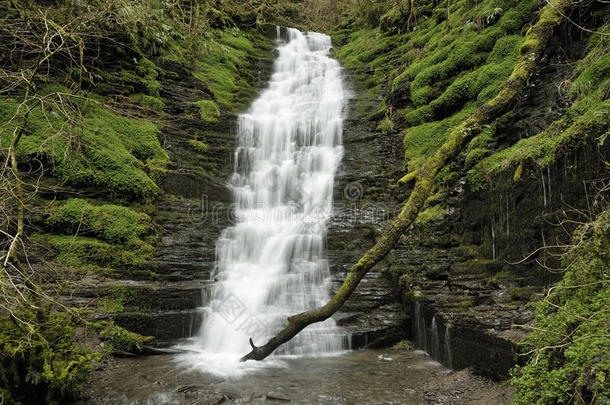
pixel 530 52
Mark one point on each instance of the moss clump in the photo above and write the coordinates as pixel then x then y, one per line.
pixel 148 102
pixel 109 222
pixel 569 348
pixel 423 140
pixel 430 214
pixel 476 155
pixel 121 339
pixel 208 110
pixel 385 126
pixel 199 146
pixel 104 151
pixel 587 121
pixel 441 71
pixel 144 75
pixel 90 254
pixel 218 65
pixel 594 69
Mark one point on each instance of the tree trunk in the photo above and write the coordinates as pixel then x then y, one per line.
pixel 531 50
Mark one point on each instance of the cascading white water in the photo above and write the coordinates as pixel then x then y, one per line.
pixel 271 262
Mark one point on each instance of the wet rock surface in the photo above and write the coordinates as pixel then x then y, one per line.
pixel 372 316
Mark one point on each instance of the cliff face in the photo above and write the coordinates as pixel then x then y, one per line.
pixel 488 242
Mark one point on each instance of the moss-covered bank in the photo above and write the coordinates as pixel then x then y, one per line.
pixel 522 182
pixel 91 121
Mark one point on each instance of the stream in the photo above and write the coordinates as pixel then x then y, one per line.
pixel 391 376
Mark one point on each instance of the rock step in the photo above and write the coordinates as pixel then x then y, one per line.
pixel 164 326
pixel 143 295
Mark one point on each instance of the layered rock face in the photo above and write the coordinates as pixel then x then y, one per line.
pixel 465 277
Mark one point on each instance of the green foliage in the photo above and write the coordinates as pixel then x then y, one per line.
pixel 585 121
pixel 595 68
pixel 422 140
pixel 42 364
pixel 430 214
pixel 482 140
pixel 385 126
pixel 148 102
pixel 569 350
pixel 475 155
pixel 143 73
pixel 440 72
pixel 199 146
pixel 224 53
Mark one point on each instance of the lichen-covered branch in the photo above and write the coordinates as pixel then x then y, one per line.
pixel 530 52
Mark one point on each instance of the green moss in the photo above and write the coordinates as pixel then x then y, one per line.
pixel 568 350
pixel 42 364
pixel 475 155
pixel 422 140
pixel 112 223
pixel 199 146
pixel 105 151
pixel 446 71
pixel 208 110
pixel 592 77
pixel 220 64
pixel 121 339
pixel 81 252
pixel 477 180
pixel 482 140
pixel 463 303
pixel 430 214
pixel 143 75
pixel 123 297
pixel 513 20
pixel 518 172
pixel 149 102
pixel 385 126
pixel 587 120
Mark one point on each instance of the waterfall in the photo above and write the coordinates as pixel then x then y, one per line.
pixel 271 262
pixel 448 356
pixel 434 349
pixel 421 340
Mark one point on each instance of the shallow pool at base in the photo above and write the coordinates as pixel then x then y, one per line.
pixel 392 376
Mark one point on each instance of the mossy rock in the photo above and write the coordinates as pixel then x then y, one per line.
pixel 109 152
pixel 208 110
pixel 121 339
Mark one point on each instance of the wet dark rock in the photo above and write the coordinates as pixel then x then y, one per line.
pixel 273 396
pixel 371 316
pixel 461 296
pixel 166 325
